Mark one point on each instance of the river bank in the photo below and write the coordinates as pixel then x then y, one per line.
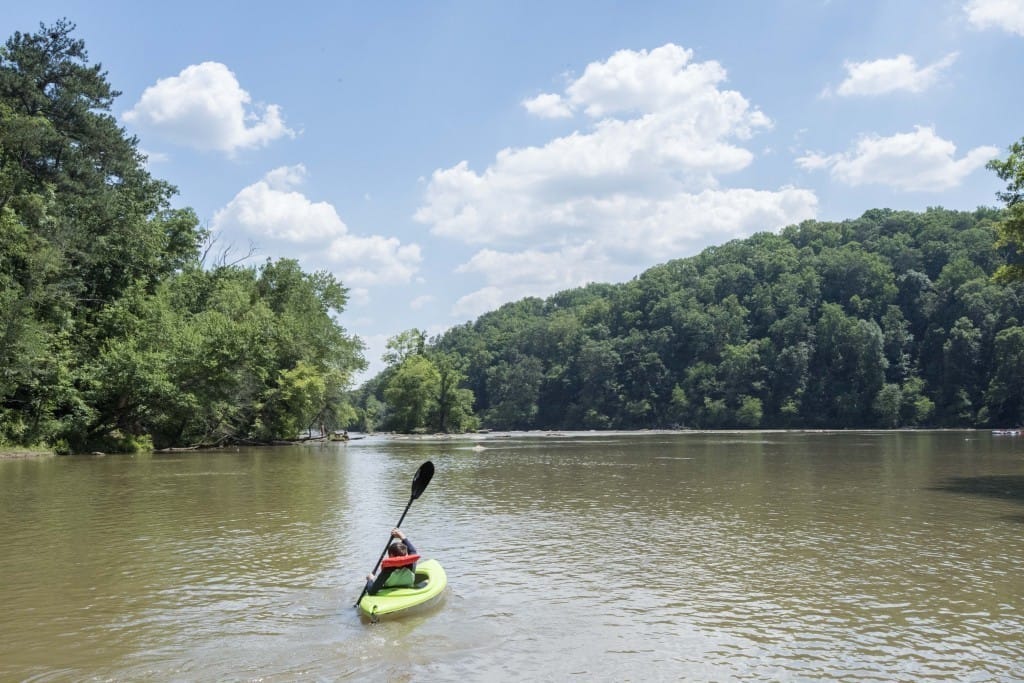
pixel 14 453
pixel 21 453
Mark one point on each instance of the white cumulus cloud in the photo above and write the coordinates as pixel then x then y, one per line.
pixel 533 272
pixel 638 185
pixel 482 300
pixel 358 296
pixel 1007 15
pixel 920 161
pixel 205 107
pixel 628 236
pixel 375 260
pixel 548 106
pixel 273 209
pixel 555 270
pixel 899 73
pixel 421 301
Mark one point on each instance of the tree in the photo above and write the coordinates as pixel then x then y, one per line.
pixel 111 218
pixel 887 405
pixel 513 389
pixel 858 280
pixel 1005 397
pixel 411 392
pixel 599 395
pixel 423 387
pixel 848 366
pixel 898 343
pixel 82 224
pixel 452 409
pixel 112 334
pixel 1011 229
pixel 404 345
pixel 886 319
pixel 961 360
pixel 916 409
pixel 750 412
pixel 370 415
pixel 294 404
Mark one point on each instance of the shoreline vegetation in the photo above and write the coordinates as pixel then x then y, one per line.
pixel 14 453
pixel 127 332
pixel 128 328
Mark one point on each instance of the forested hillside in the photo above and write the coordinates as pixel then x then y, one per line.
pixel 123 325
pixel 888 320
pixel 120 327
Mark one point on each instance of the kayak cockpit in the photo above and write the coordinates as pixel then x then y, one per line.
pixel 431 581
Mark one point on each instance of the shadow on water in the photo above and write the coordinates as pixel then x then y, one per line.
pixel 1001 486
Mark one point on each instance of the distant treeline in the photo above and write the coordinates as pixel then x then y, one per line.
pixel 121 328
pixel 889 320
pixel 118 330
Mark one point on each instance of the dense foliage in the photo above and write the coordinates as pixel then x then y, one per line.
pixel 892 319
pixel 114 334
pixel 421 390
pixel 1011 230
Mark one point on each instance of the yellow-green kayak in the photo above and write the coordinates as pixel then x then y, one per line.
pixel 430 581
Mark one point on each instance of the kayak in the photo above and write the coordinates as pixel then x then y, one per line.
pixel 430 581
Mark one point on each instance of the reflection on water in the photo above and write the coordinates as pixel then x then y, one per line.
pixel 811 556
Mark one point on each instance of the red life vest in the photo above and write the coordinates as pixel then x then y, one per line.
pixel 399 561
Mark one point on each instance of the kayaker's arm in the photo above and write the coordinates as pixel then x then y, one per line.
pixel 375 584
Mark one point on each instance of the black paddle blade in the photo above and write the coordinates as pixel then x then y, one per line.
pixel 423 476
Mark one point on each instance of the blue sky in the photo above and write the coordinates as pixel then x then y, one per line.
pixel 443 158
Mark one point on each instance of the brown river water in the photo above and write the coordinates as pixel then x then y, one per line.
pixel 579 556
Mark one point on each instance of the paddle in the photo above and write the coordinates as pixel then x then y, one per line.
pixel 419 484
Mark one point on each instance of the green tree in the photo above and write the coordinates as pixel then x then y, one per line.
pixel 404 345
pixel 750 412
pixel 888 403
pixel 961 360
pixel 112 334
pixel 885 319
pixel 514 388
pixel 371 414
pixel 1011 229
pixel 849 368
pixel 452 405
pixel 1004 397
pixel 410 393
pixel 294 404
pixel 916 409
pixel 599 395
pixel 82 224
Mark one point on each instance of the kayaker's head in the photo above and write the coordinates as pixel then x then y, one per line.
pixel 397 549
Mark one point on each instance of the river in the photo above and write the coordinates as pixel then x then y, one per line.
pixel 574 556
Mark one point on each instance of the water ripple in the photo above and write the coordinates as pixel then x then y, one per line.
pixel 694 557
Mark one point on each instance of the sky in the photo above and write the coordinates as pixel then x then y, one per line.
pixel 443 158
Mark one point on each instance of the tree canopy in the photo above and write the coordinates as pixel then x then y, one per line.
pixel 888 320
pixel 1011 230
pixel 114 334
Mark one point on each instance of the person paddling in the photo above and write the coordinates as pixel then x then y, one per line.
pixel 398 570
